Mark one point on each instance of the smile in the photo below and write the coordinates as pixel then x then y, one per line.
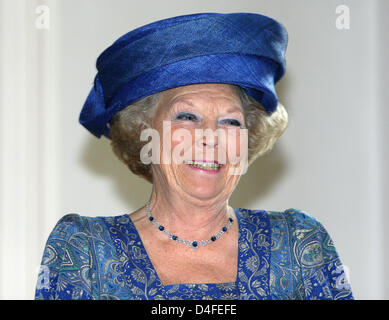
pixel 210 166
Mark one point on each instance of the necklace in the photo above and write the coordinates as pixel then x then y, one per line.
pixel 194 244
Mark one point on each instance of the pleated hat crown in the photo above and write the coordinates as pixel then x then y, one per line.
pixel 243 49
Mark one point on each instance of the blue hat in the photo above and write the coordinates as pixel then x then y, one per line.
pixel 243 49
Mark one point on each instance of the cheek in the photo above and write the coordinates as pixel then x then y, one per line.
pixel 181 140
pixel 235 144
pixel 181 135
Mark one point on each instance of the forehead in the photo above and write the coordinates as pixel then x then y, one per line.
pixel 207 91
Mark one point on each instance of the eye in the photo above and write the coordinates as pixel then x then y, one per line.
pixel 186 116
pixel 231 122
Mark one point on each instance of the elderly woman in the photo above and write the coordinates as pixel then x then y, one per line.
pixel 157 87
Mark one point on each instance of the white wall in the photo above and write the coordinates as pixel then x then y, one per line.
pixel 382 66
pixel 329 163
pixel 29 142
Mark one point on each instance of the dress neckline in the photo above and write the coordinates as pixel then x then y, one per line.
pixel 169 286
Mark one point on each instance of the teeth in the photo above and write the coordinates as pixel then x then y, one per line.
pixel 204 165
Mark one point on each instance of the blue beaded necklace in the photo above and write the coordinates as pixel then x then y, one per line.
pixel 194 244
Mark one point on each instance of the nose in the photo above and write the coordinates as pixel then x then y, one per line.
pixel 208 144
pixel 208 138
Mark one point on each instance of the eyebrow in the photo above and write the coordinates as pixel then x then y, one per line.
pixel 189 102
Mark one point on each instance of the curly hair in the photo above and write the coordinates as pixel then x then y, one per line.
pixel 126 127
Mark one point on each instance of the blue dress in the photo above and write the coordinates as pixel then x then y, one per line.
pixel 281 255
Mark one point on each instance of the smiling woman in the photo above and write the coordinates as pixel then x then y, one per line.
pixel 203 84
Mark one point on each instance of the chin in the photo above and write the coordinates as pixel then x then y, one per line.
pixel 203 190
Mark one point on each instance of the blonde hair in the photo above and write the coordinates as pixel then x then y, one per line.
pixel 127 125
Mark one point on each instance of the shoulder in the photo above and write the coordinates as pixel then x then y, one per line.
pixel 70 228
pixel 73 223
pixel 301 242
pixel 296 229
pixel 69 232
pixel 299 226
pixel 305 234
pixel 296 218
pixel 74 232
pixel 73 235
pixel 69 265
pixel 68 225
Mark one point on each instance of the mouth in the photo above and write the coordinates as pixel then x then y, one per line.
pixel 210 166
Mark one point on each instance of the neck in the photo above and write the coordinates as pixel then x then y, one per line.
pixel 189 218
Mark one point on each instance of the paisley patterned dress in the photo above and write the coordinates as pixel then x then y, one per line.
pixel 282 255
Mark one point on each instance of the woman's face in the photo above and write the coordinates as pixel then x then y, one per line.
pixel 200 133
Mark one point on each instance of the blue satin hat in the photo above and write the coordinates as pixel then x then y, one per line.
pixel 243 49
